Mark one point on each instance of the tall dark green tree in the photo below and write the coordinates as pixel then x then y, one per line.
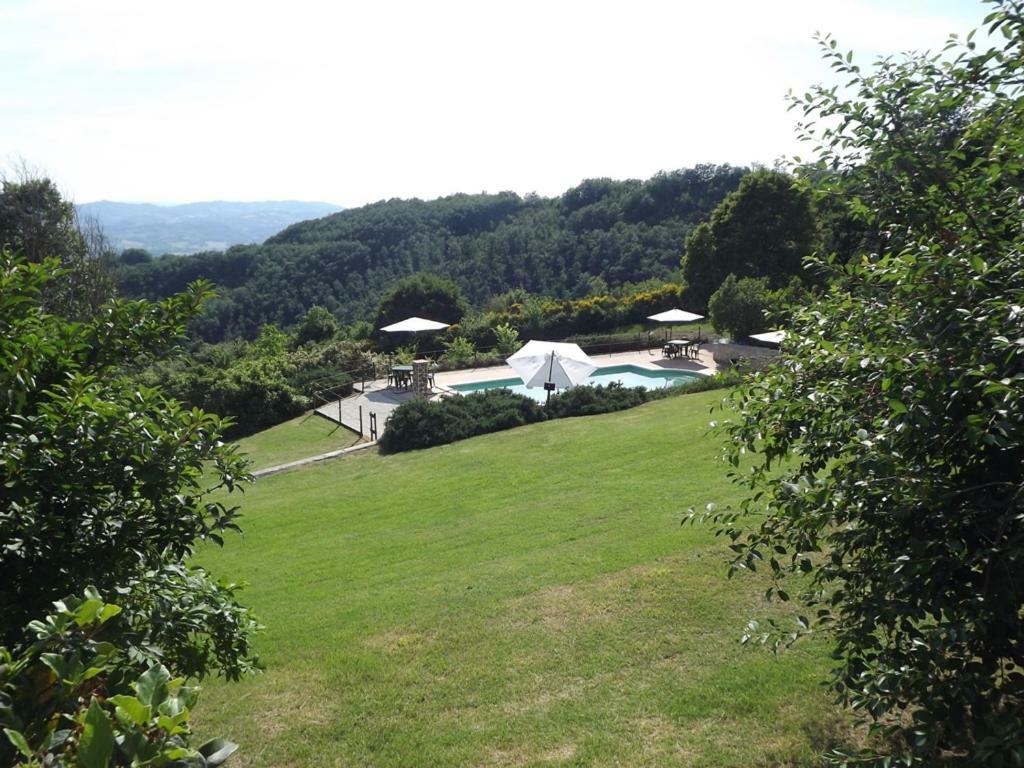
pixel 738 306
pixel 422 295
pixel 765 228
pixel 887 486
pixel 37 222
pixel 318 324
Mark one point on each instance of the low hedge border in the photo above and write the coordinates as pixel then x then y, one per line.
pixel 419 424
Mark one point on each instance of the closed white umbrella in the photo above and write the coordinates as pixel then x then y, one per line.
pixel 551 365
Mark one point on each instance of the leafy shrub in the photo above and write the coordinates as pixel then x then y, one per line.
pixel 459 351
pixel 69 699
pixel 588 401
pixel 883 452
pixel 255 393
pixel 318 324
pixel 421 424
pixel 334 363
pixel 738 306
pixel 111 484
pixel 404 355
pixel 507 339
pixel 549 318
pixel 637 307
pixel 310 381
pixel 478 360
pixel 729 377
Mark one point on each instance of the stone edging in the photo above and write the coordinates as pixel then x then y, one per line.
pixel 313 459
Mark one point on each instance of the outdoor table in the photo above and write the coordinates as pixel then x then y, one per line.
pixel 678 346
pixel 402 374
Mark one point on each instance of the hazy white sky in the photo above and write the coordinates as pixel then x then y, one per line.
pixel 149 100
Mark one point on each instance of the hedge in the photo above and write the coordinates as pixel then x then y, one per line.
pixel 421 424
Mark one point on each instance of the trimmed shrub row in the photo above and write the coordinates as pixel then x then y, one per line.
pixel 590 401
pixel 421 424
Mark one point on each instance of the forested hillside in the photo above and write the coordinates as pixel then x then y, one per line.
pixel 602 233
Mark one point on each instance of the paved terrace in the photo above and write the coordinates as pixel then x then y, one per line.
pixel 381 400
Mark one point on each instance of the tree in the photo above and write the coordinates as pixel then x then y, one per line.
pixel 318 324
pixel 255 389
pixel 421 295
pixel 37 222
pixel 762 229
pixel 738 306
pixel 617 231
pixel 130 256
pixel 887 484
pixel 107 484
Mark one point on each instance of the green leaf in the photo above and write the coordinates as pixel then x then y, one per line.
pixel 86 613
pixel 96 745
pixel 108 612
pixel 152 686
pixel 173 725
pixel 56 663
pixel 18 740
pixel 131 709
pixel 897 406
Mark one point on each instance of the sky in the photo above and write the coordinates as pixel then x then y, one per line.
pixel 350 103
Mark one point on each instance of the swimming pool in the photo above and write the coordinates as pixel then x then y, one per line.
pixel 627 375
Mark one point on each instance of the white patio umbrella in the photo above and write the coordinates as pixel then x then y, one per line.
pixel 771 337
pixel 414 325
pixel 673 316
pixel 551 365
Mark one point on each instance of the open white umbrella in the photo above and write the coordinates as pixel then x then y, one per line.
pixel 551 365
pixel 414 325
pixel 673 316
pixel 771 337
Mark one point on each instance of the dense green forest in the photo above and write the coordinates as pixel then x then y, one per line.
pixel 600 234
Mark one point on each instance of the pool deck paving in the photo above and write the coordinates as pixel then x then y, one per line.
pixel 381 400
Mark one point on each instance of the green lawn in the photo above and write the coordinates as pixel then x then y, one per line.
pixel 307 435
pixel 523 598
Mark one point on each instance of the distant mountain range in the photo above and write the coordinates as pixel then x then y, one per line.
pixel 195 227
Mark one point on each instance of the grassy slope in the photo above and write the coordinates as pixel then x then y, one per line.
pixel 299 438
pixel 524 598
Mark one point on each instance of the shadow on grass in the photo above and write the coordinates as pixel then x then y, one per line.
pixel 837 732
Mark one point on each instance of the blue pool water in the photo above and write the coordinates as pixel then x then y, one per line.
pixel 627 375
